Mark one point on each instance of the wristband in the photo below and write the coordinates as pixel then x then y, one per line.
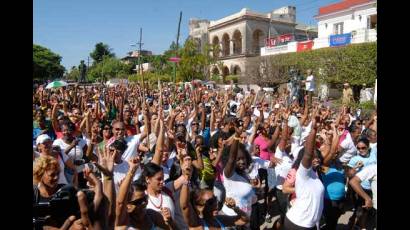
pixel 107 177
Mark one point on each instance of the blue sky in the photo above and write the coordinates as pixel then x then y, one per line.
pixel 72 28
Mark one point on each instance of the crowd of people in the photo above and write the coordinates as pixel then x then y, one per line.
pixel 189 156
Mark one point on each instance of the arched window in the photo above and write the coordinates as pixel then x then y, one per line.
pixel 258 40
pixel 237 42
pixel 215 43
pixel 237 70
pixel 225 45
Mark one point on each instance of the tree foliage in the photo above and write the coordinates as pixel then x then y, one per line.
pixel 46 64
pixel 194 64
pixel 355 63
pixel 109 67
pixel 74 74
pixel 100 51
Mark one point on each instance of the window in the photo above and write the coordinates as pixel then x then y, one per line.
pixel 372 21
pixel 338 28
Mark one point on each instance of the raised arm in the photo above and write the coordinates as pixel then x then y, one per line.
pixel 157 158
pixel 107 163
pixel 212 120
pixel 230 165
pixel 310 144
pixel 305 113
pixel 333 149
pixel 54 121
pixel 285 133
pixel 190 217
pixel 121 214
pixel 275 135
pixel 198 162
pixel 220 149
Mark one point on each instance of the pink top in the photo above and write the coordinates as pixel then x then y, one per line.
pixel 263 146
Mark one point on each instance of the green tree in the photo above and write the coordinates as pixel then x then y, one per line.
pixel 46 64
pixel 195 64
pixel 100 51
pixel 355 63
pixel 74 73
pixel 108 68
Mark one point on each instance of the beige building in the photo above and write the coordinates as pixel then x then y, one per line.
pixel 243 34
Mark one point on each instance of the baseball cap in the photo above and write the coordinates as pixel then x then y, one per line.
pixel 42 138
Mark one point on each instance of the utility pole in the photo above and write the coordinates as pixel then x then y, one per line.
pixel 139 57
pixel 176 48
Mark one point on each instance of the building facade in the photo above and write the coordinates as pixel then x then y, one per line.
pixel 243 34
pixel 345 22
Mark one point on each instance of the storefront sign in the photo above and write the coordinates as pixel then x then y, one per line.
pixel 340 39
pixel 280 40
pixel 302 46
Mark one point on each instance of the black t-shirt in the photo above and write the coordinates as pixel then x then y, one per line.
pixel 37 198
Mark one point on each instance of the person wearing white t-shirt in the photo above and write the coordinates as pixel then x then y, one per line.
pixel 310 85
pixel 347 147
pixel 75 148
pixel 282 169
pixel 307 209
pixel 157 198
pixel 121 167
pixel 236 180
pixel 368 173
pixel 133 142
pixel 44 145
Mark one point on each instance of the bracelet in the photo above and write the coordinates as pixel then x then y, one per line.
pixel 107 177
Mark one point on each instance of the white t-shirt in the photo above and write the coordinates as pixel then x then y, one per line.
pixel 241 191
pixel 308 206
pixel 257 164
pixel 305 132
pixel 75 153
pixel 349 149
pixel 166 203
pixel 257 113
pixel 119 173
pixel 282 170
pixel 132 142
pixel 370 173
pixel 310 83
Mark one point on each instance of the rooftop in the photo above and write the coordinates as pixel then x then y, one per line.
pixel 343 5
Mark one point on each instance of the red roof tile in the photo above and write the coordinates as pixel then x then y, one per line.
pixel 345 4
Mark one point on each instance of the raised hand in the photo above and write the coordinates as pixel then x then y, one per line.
pixel 166 214
pixel 230 202
pixel 85 221
pixel 134 162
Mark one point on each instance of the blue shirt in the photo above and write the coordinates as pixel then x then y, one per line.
pixel 334 183
pixel 372 159
pixel 206 133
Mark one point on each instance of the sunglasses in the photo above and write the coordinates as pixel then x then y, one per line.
pixel 361 148
pixel 194 123
pixel 119 129
pixel 139 202
pixel 106 128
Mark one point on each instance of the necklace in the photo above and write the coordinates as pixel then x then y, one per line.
pixel 160 204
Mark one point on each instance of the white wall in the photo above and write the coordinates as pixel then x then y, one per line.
pixel 350 23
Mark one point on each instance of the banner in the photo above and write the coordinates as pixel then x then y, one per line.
pixel 340 39
pixel 302 46
pixel 280 40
